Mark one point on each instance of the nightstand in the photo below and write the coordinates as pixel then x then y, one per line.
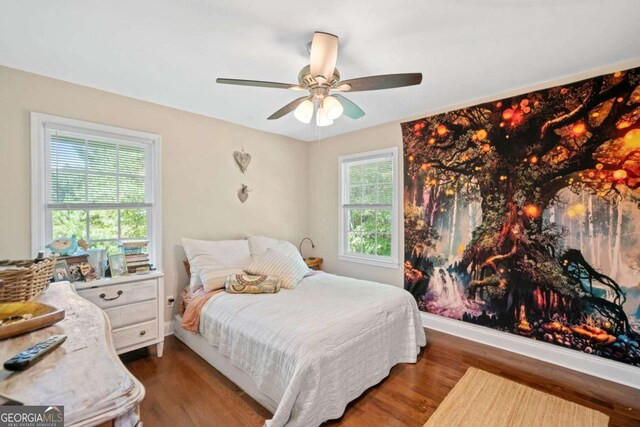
pixel 314 263
pixel 134 305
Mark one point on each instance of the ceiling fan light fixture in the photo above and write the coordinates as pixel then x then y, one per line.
pixel 333 107
pixel 322 119
pixel 304 111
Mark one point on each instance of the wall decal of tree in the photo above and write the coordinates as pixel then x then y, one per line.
pixel 522 214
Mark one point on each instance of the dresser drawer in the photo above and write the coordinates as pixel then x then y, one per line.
pixel 125 315
pixel 116 295
pixel 134 334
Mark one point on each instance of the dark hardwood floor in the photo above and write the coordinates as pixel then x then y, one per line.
pixel 183 389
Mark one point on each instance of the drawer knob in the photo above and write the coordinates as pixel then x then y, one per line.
pixel 104 296
pixel 142 332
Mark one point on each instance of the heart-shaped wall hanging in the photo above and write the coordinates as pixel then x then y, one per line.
pixel 243 193
pixel 242 159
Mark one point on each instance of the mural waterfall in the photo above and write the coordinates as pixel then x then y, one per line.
pixel 523 215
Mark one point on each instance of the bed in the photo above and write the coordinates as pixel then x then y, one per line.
pixel 305 353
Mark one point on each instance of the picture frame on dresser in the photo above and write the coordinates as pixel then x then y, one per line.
pixel 61 271
pixel 117 265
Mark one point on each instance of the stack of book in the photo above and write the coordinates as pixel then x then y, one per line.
pixel 136 255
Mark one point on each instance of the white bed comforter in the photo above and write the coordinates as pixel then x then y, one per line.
pixel 317 347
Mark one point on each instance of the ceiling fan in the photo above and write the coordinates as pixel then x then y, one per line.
pixel 321 79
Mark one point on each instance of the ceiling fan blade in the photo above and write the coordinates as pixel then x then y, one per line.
pixel 287 108
pixel 387 81
pixel 324 54
pixel 350 108
pixel 258 83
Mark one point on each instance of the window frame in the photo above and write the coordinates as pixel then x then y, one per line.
pixel 344 207
pixel 41 125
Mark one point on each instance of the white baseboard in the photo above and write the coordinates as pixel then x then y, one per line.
pixel 570 359
pixel 168 328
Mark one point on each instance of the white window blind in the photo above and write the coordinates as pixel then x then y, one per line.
pixel 87 171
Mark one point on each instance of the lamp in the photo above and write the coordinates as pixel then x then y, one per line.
pixel 322 119
pixel 333 107
pixel 304 111
pixel 302 241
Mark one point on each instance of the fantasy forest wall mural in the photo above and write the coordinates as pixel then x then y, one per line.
pixel 523 215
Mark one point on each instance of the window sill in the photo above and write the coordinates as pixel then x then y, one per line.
pixel 370 261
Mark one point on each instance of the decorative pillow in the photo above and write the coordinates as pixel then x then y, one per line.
pixel 258 245
pixel 216 255
pixel 290 270
pixel 213 279
pixel 246 284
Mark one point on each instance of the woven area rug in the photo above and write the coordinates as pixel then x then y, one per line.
pixel 481 399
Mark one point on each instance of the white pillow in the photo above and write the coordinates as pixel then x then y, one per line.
pixel 289 269
pixel 213 279
pixel 216 255
pixel 258 245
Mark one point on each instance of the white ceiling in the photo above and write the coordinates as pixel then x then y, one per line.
pixel 170 51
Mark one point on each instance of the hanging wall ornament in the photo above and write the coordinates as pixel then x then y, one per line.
pixel 243 159
pixel 243 193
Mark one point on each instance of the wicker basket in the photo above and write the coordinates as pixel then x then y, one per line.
pixel 26 281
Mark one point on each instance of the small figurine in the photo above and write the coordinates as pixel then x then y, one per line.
pixel 83 244
pixel 64 246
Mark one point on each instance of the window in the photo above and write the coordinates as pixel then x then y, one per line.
pixel 98 182
pixel 368 208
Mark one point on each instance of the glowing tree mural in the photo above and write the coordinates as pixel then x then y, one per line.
pixel 510 160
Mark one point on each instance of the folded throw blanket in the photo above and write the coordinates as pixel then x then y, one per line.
pixel 191 316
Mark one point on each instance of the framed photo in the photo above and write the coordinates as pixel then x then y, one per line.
pixel 61 271
pixel 117 265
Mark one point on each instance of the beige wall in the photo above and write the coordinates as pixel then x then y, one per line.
pixel 324 194
pixel 199 176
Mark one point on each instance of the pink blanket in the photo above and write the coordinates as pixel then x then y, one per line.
pixel 194 305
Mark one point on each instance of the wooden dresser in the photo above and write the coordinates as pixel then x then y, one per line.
pixel 134 305
pixel 84 374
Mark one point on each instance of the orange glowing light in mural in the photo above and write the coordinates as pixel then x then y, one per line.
pixel 498 104
pixel 563 91
pixel 594 115
pixel 617 74
pixel 620 174
pixel 578 128
pixel 507 114
pixel 524 102
pixel 533 160
pixel 599 166
pixel 620 99
pixel 486 148
pixel 411 158
pixel 632 138
pixel 592 174
pixel 623 124
pixel 532 211
pixel 481 134
pixel 424 166
pixel 442 129
pixel 431 141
